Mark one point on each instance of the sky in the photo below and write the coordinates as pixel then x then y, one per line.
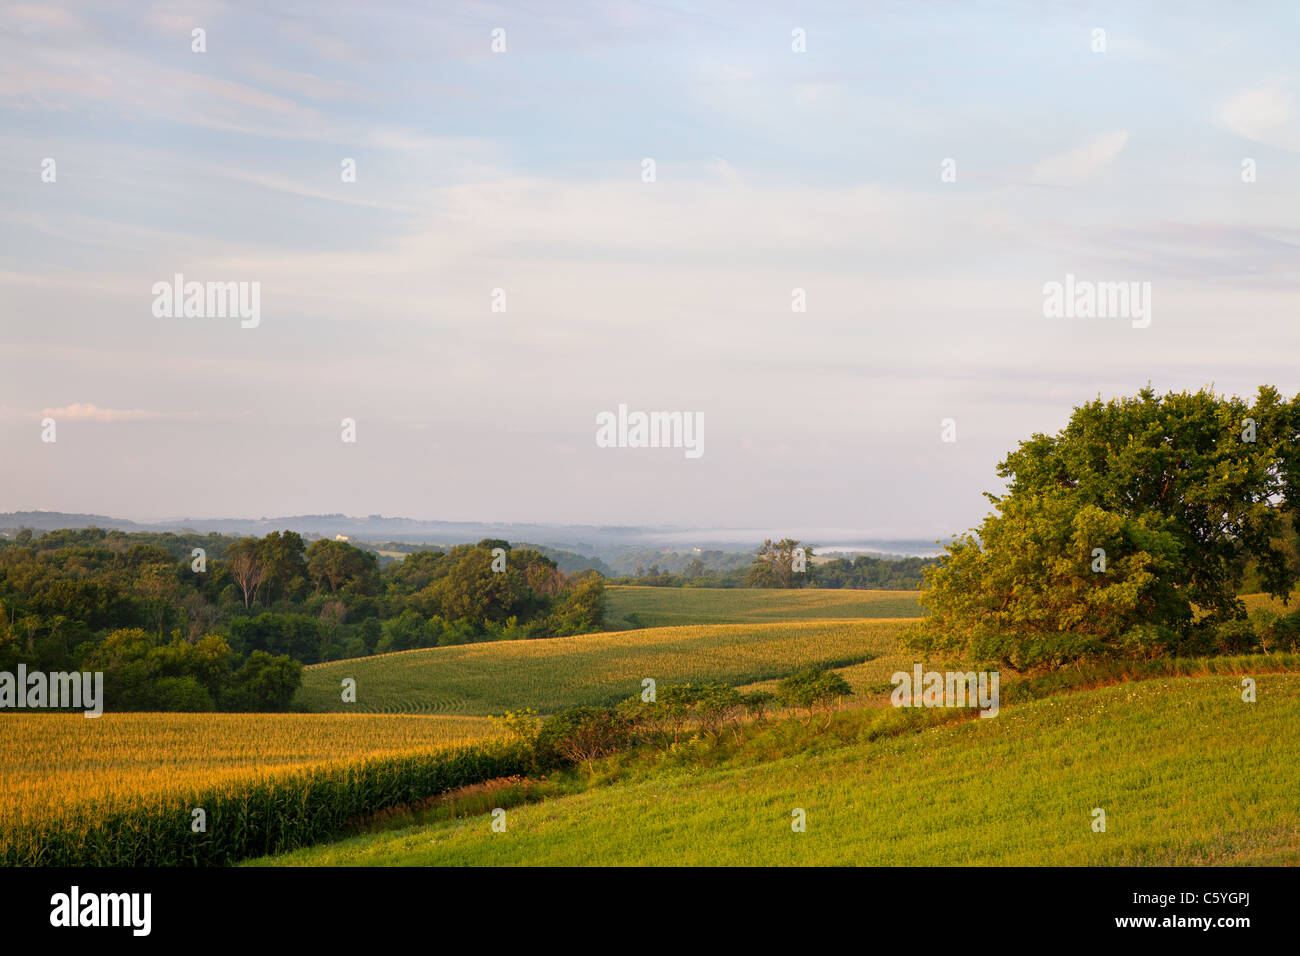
pixel 921 171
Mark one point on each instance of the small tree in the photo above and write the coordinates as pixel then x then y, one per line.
pixel 719 705
pixel 813 689
pixel 757 702
pixel 678 706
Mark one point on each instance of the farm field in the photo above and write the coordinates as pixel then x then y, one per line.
pixel 864 678
pixel 553 673
pixel 664 607
pixel 1266 602
pixel 52 763
pixel 1186 772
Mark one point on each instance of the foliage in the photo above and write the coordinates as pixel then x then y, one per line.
pixel 778 565
pixel 520 725
pixel 1127 534
pixel 582 735
pixel 813 689
pixel 143 674
pixel 64 593
pixel 1169 753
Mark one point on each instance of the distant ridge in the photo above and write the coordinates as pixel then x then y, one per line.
pixel 590 539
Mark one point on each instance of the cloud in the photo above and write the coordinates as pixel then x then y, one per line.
pixel 178 19
pixel 1081 164
pixel 1265 115
pixel 727 172
pixel 34 19
pixel 93 413
pixel 323 43
pixel 307 85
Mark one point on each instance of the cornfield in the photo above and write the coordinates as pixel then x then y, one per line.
pixel 553 673
pixel 120 790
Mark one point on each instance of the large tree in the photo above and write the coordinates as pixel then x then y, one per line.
pixel 780 564
pixel 334 565
pixel 286 567
pixel 1125 534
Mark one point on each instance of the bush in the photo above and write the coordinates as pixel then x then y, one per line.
pixel 521 726
pixel 813 689
pixel 757 703
pixel 719 705
pixel 1276 632
pixel 264 683
pixel 183 694
pixel 1236 637
pixel 584 734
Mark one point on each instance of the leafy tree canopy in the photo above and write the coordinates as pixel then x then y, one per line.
pixel 1126 534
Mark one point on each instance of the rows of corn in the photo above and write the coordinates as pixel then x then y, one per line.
pixel 121 790
pixel 550 674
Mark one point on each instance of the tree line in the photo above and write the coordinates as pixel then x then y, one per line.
pixel 202 622
pixel 788 564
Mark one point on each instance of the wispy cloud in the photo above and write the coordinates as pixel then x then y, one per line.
pixel 1081 164
pixel 79 412
pixel 1265 114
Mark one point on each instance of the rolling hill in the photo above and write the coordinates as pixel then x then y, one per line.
pixel 1185 771
pixel 552 673
pixel 664 607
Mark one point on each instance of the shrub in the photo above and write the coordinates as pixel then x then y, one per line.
pixel 182 693
pixel 264 683
pixel 520 725
pixel 757 703
pixel 584 734
pixel 813 689
pixel 1236 637
pixel 717 706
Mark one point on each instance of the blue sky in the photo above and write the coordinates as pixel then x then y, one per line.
pixel 522 170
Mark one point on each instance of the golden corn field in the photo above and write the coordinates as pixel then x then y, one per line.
pixel 63 772
pixel 553 673
pixel 53 760
pixel 120 789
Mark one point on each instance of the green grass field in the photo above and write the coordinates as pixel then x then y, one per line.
pixel 553 673
pixel 665 607
pixel 1186 773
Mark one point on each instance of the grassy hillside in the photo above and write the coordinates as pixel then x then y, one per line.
pixel 1186 772
pixel 554 673
pixel 664 607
